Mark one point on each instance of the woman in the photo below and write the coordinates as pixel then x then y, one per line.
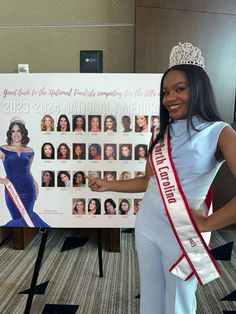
pixel 21 188
pixel 109 151
pixel 125 151
pixel 78 151
pixel 47 151
pixel 126 123
pixel 94 206
pixel 63 152
pixel 125 175
pixel 48 178
pixel 110 175
pixel 63 124
pixel 94 123
pixel 79 206
pixel 137 203
pixel 110 207
pixel 79 124
pixel 155 122
pixel 141 124
pixel 95 152
pixel 110 124
pixel 200 141
pixel 63 179
pixel 79 179
pixel 124 207
pixel 141 152
pixel 47 123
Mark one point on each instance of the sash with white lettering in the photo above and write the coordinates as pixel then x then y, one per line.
pixel 19 205
pixel 196 258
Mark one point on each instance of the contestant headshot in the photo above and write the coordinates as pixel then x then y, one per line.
pixel 95 174
pixel 124 206
pixel 63 179
pixel 137 204
pixel 94 123
pixel 140 152
pixel 126 123
pixel 141 124
pixel 125 151
pixel 110 175
pixel 94 206
pixel 79 179
pixel 78 206
pixel 110 124
pixel 63 152
pixel 155 122
pixel 21 187
pixel 110 207
pixel 94 152
pixel 125 175
pixel 79 123
pixel 79 151
pixel 110 152
pixel 139 174
pixel 63 124
pixel 47 151
pixel 48 178
pixel 47 123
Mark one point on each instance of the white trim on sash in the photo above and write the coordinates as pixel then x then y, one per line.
pixel 19 205
pixel 196 258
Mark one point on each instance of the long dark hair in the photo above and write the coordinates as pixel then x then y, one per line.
pixel 24 132
pixel 202 99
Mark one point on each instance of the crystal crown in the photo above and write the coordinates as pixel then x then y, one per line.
pixel 17 119
pixel 186 53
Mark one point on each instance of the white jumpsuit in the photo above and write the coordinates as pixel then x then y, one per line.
pixel 194 158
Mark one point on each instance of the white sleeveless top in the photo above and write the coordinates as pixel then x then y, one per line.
pixel 194 158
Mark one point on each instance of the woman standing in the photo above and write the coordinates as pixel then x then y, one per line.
pixel 184 158
pixel 21 188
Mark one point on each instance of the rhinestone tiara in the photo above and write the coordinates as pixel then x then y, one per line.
pixel 17 120
pixel 186 53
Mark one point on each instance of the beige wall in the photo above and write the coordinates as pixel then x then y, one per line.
pixel 49 34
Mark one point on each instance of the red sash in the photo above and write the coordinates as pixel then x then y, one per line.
pixel 196 258
pixel 19 205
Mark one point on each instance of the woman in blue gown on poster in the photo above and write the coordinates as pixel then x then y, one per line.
pixel 20 187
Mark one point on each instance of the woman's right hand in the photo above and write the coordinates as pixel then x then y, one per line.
pixel 96 184
pixel 4 181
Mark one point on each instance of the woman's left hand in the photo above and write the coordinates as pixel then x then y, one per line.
pixel 200 218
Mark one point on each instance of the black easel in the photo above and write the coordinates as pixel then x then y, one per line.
pixel 39 261
pixel 100 252
pixel 36 270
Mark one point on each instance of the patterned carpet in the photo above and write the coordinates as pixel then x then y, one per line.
pixel 69 279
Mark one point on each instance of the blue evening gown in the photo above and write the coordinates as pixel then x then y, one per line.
pixel 17 168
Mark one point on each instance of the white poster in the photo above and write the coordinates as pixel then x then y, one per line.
pixel 77 125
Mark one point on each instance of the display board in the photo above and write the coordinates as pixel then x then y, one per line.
pixel 78 125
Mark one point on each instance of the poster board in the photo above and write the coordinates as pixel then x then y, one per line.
pixel 34 97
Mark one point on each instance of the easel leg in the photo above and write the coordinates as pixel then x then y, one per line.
pixel 100 252
pixel 36 270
